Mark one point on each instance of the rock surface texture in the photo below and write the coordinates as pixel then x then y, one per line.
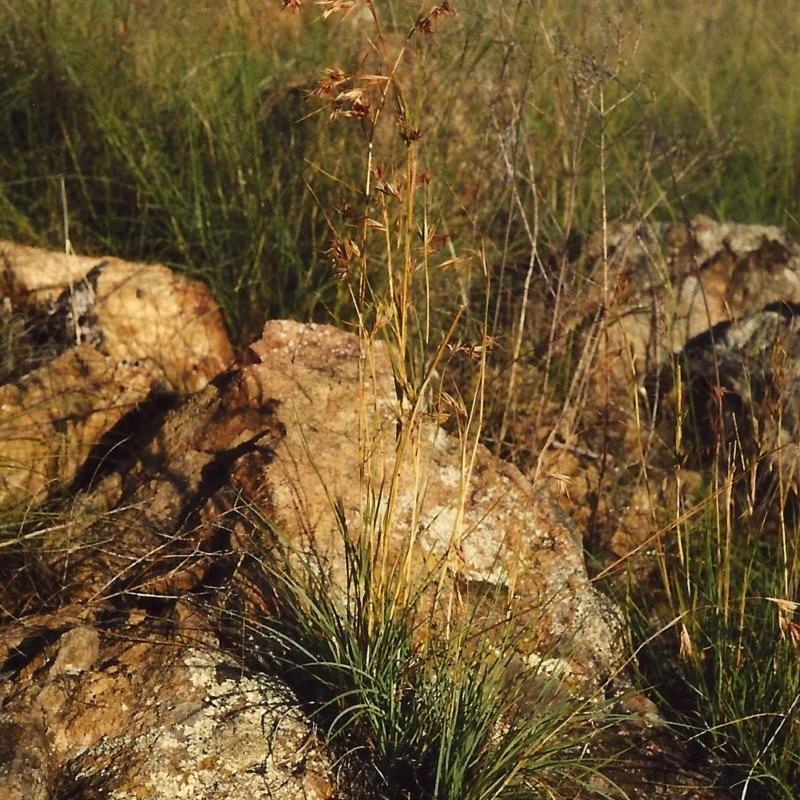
pixel 703 307
pixel 117 335
pixel 118 681
pixel 669 282
pixel 143 707
pixel 490 526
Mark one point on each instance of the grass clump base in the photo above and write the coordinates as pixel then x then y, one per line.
pixel 412 706
pixel 722 647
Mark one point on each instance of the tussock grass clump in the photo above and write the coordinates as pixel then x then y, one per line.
pixel 418 695
pixel 725 660
pixel 722 647
pixel 410 706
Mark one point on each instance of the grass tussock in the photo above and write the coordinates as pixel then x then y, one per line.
pixel 722 646
pixel 409 706
pixel 417 696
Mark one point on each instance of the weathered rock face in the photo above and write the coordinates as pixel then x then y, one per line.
pixel 131 313
pixel 130 706
pixel 661 285
pixel 122 674
pixel 316 420
pixel 116 334
pixel 710 304
pixel 306 431
pixel 742 397
pixel 669 282
pixel 486 522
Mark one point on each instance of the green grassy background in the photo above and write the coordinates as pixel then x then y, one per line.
pixel 183 132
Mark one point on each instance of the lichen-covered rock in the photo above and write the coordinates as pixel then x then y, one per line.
pixel 139 685
pixel 137 707
pixel 307 432
pixel 113 336
pixel 733 340
pixel 658 286
pixel 51 420
pixel 742 387
pixel 134 313
pixel 657 290
pixel 450 499
pixel 669 282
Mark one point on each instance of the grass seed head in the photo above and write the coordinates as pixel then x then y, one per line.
pixel 343 7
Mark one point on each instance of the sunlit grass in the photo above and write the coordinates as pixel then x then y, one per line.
pixel 723 653
pixel 411 707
